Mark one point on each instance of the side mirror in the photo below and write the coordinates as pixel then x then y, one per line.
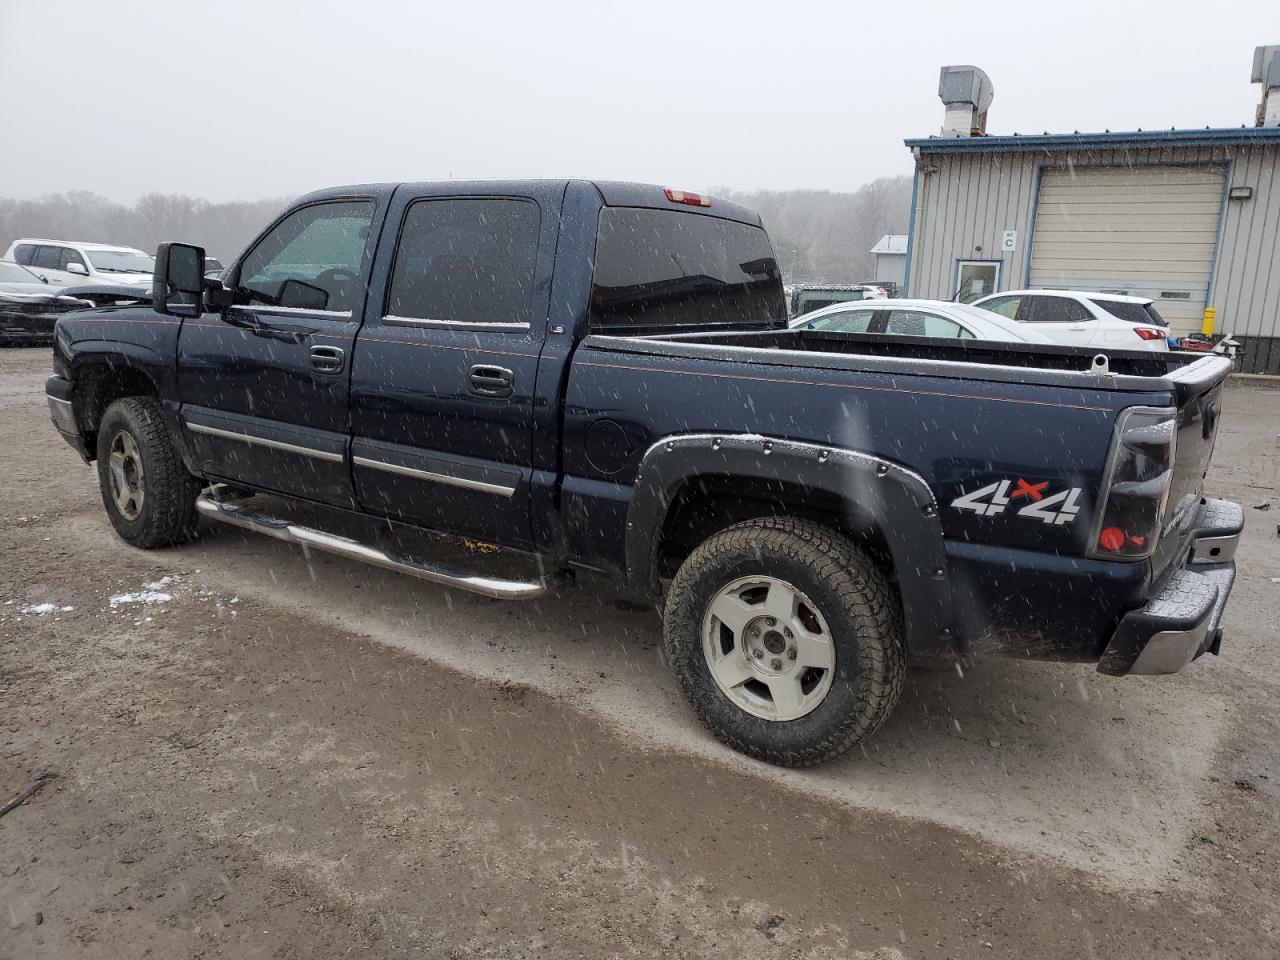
pixel 78 268
pixel 179 278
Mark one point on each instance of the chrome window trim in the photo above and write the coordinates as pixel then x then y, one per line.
pixel 499 489
pixel 392 320
pixel 292 311
pixel 264 442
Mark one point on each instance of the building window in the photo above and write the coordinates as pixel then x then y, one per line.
pixel 976 278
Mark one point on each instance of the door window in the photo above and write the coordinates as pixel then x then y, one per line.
pixel 1005 306
pixel 918 323
pixel 25 254
pixel 976 278
pixel 68 257
pixel 468 261
pixel 1055 310
pixel 47 258
pixel 846 321
pixel 311 259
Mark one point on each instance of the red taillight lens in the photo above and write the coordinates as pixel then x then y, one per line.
pixel 684 196
pixel 1135 487
pixel 1147 333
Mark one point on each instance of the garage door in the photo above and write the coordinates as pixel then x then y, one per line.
pixel 1144 231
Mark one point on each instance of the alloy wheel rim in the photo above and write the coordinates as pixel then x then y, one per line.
pixel 124 468
pixel 768 648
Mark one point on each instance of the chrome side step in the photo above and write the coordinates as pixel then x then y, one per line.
pixel 235 514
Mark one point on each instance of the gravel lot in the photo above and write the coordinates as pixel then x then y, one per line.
pixel 261 756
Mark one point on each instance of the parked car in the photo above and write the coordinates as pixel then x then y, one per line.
pixel 918 318
pixel 1084 319
pixel 67 262
pixel 213 268
pixel 600 376
pixel 807 297
pixel 29 306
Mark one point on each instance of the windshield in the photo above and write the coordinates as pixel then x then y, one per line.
pixel 12 273
pixel 121 261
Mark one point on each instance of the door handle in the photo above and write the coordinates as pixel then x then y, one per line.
pixel 490 381
pixel 328 359
pixel 1078 329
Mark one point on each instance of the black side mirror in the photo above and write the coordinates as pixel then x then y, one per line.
pixel 179 278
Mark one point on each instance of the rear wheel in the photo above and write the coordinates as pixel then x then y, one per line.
pixel 786 638
pixel 149 495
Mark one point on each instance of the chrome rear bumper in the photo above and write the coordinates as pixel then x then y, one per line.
pixel 1183 620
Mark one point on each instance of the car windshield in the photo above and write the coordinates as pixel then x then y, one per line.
pixel 12 273
pixel 121 261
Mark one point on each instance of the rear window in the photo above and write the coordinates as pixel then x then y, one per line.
pixel 1132 312
pixel 663 268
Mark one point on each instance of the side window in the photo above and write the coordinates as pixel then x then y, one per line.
pixel 1056 310
pixel 917 323
pixel 67 256
pixel 311 259
pixel 468 261
pixel 24 254
pixel 47 258
pixel 846 321
pixel 1005 306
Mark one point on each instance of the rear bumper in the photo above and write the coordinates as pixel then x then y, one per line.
pixel 1182 620
pixel 57 391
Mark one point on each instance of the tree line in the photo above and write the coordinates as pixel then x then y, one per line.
pixel 820 236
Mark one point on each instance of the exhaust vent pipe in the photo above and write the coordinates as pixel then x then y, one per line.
pixel 1266 71
pixel 966 93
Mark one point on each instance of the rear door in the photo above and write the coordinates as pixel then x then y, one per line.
pixel 442 403
pixel 48 261
pixel 264 386
pixel 1061 319
pixel 924 323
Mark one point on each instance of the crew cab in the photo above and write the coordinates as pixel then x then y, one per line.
pixel 599 375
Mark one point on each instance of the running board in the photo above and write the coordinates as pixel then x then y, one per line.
pixel 235 514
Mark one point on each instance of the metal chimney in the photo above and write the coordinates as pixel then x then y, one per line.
pixel 966 93
pixel 1266 71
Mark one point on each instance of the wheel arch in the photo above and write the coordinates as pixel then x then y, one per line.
pixel 690 486
pixel 106 372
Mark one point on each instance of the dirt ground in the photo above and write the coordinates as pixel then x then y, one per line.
pixel 259 755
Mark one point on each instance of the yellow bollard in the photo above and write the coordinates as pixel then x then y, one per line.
pixel 1207 327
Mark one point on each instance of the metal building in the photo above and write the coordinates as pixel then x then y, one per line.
pixel 1189 218
pixel 890 254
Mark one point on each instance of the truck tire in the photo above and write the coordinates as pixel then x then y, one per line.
pixel 787 640
pixel 149 495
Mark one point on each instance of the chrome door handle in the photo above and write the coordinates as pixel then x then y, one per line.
pixel 491 381
pixel 328 359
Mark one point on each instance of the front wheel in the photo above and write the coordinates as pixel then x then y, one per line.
pixel 786 638
pixel 149 495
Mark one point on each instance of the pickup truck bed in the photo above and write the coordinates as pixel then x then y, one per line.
pixel 599 375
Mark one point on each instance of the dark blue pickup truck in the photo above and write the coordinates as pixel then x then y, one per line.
pixel 600 375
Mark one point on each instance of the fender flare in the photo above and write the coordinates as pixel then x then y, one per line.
pixel 894 499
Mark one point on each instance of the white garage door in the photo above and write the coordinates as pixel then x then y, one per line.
pixel 1144 231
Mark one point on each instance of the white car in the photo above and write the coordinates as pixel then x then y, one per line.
pixel 1084 319
pixel 67 262
pixel 917 318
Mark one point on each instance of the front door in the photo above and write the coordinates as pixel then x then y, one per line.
pixel 443 381
pixel 264 386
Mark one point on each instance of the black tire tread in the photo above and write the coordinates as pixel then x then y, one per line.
pixel 870 601
pixel 169 508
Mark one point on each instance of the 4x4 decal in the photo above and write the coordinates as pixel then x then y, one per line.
pixel 995 498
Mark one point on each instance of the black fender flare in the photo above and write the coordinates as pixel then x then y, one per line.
pixel 894 499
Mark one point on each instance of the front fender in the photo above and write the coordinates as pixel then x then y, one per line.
pixel 896 501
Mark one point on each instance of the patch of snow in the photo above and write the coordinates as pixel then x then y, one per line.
pixel 152 593
pixel 40 608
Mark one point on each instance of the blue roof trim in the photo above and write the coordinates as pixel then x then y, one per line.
pixel 1138 139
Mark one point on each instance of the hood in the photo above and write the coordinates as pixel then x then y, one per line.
pixel 35 289
pixel 125 279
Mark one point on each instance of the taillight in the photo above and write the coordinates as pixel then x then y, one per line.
pixel 1148 333
pixel 684 196
pixel 1135 486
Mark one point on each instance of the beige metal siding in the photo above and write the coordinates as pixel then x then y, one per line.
pixel 1145 231
pixel 949 225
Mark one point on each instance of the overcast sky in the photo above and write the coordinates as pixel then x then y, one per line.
pixel 248 99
